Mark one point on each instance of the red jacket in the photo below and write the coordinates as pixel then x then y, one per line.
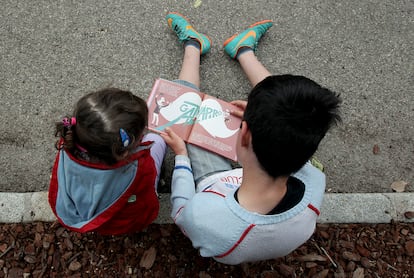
pixel 110 200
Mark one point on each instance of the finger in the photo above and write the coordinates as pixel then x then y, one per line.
pixel 166 136
pixel 239 103
pixel 237 113
pixel 170 137
pixel 171 133
pixel 168 132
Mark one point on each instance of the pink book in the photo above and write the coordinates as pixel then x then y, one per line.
pixel 198 118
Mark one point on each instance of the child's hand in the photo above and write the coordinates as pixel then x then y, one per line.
pixel 242 105
pixel 174 141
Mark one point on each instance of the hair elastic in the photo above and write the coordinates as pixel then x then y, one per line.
pixel 124 137
pixel 82 149
pixel 68 122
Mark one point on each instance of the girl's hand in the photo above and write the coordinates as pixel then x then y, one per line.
pixel 242 105
pixel 174 141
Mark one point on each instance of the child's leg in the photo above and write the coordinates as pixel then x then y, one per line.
pixel 195 44
pixel 205 163
pixel 252 67
pixel 190 68
pixel 242 46
pixel 158 150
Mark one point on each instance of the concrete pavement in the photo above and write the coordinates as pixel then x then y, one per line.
pixel 336 208
pixel 53 52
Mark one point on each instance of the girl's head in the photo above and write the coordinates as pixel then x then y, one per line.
pixel 104 120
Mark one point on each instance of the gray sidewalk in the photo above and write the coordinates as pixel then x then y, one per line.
pixel 53 52
pixel 336 208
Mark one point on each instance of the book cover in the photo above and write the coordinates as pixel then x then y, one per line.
pixel 198 118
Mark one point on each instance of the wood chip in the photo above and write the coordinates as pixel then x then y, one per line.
pixel 324 273
pixel 363 251
pixel 324 234
pixel 67 256
pixel 39 227
pixel 358 273
pixel 31 259
pixel 287 271
pixel 310 264
pixel 68 243
pixel 312 258
pixel 409 214
pixel 30 249
pixel 340 273
pixel 75 266
pixel 60 231
pixel 204 274
pixel 409 247
pixel 148 258
pixel 350 267
pixel 271 274
pixel 38 240
pixel 399 186
pixel 347 244
pixel 365 262
pixel 350 256
pixel 165 232
pixel 3 247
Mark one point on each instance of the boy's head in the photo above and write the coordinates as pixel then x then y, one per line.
pixel 100 116
pixel 288 116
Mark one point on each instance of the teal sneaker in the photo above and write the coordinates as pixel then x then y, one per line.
pixel 248 38
pixel 185 32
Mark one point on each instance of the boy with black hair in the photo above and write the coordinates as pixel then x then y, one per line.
pixel 269 207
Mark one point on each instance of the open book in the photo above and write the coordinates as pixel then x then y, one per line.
pixel 196 117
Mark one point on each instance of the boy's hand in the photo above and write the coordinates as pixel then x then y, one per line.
pixel 174 141
pixel 242 105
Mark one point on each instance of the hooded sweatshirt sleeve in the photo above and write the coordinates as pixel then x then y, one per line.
pixel 182 185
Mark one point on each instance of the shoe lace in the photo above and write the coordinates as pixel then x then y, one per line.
pixel 177 29
pixel 180 32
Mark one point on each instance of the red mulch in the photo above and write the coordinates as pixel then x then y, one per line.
pixel 340 250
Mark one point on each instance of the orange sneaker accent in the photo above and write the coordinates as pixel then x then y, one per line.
pixel 185 31
pixel 248 38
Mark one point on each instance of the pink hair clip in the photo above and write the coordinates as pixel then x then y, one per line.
pixel 69 122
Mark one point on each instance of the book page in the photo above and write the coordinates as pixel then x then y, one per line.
pixel 172 105
pixel 216 129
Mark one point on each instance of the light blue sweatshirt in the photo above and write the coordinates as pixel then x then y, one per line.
pixel 219 227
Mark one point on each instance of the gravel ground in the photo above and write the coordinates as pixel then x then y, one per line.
pixel 336 250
